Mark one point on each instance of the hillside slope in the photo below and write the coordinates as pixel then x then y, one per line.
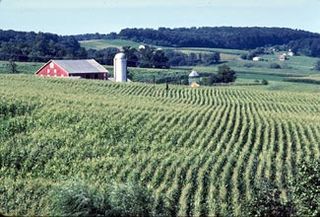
pixel 203 148
pixel 216 37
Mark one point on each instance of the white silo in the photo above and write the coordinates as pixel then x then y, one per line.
pixel 120 67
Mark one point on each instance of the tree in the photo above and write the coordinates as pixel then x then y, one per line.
pixel 145 57
pixel 104 56
pixel 159 59
pixel 12 67
pixel 317 66
pixel 212 58
pixel 131 55
pixel 226 74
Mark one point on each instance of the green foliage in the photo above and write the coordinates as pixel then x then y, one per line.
pixel 306 188
pixel 317 65
pixel 226 74
pixel 132 56
pixel 78 199
pixel 223 37
pixel 131 200
pixel 199 151
pixel 30 46
pixel 11 67
pixel 275 66
pixel 266 202
pixel 211 58
pixel 264 82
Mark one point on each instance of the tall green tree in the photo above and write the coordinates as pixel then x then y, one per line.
pixel 132 56
pixel 226 74
pixel 159 59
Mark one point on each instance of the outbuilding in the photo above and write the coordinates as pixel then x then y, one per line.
pixel 256 59
pixel 194 77
pixel 87 69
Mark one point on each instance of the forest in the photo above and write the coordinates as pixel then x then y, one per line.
pixel 38 47
pixel 245 38
pixel 41 47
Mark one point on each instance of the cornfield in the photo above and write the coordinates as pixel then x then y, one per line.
pixel 204 149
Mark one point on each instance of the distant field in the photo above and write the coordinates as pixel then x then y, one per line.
pixel 298 69
pixel 22 67
pixel 226 54
pixel 101 44
pixel 204 149
pixel 221 50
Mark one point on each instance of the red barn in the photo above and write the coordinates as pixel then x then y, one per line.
pixel 87 69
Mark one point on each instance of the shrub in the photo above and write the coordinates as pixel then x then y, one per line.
pixel 248 65
pixel 317 66
pixel 78 200
pixel 131 200
pixel 306 189
pixel 266 201
pixel 264 82
pixel 275 66
pixel 118 200
pixel 11 67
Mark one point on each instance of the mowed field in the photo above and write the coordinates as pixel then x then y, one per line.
pixel 203 148
pixel 102 44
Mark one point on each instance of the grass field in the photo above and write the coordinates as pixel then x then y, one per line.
pixel 226 54
pixel 205 149
pixel 22 67
pixel 101 44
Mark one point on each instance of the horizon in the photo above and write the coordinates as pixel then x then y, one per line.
pixel 189 27
pixel 105 16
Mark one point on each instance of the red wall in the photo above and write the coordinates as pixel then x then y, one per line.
pixel 52 70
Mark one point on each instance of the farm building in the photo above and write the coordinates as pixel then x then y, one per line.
pixel 256 59
pixel 283 57
pixel 290 53
pixel 194 77
pixel 87 69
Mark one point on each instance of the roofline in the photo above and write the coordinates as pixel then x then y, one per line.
pixel 43 66
pixel 61 67
pixel 107 71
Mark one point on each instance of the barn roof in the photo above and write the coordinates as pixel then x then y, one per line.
pixel 81 66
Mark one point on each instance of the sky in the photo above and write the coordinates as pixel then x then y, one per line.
pixel 104 16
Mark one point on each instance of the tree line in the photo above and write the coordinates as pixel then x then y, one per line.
pixel 217 37
pixel 152 57
pixel 38 47
pixel 41 47
pixel 302 42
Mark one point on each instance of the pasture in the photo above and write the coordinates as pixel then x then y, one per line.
pixel 102 44
pixel 204 149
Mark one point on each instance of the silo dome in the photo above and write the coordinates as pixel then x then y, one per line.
pixel 120 56
pixel 194 74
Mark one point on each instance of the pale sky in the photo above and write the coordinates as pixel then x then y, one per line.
pixel 104 16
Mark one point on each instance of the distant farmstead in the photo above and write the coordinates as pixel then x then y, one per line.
pixel 87 69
